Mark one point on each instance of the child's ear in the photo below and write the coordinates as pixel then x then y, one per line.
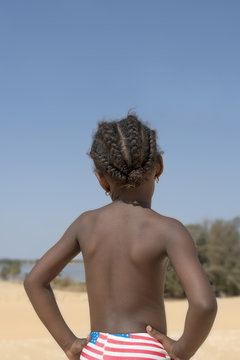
pixel 159 166
pixel 102 181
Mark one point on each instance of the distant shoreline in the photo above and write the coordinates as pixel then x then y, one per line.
pixel 15 269
pixel 4 261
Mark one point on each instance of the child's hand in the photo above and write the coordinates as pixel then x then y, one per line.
pixel 76 348
pixel 168 344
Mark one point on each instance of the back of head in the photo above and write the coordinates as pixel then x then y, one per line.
pixel 125 150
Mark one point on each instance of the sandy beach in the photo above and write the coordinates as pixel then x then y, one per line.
pixel 23 337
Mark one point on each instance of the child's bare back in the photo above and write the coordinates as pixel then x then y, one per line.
pixel 125 260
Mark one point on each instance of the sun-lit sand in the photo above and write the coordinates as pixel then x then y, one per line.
pixel 23 337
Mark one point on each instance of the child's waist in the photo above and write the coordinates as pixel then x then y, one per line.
pixel 121 337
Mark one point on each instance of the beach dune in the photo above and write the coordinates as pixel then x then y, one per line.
pixel 23 337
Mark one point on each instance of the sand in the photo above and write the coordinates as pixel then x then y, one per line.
pixel 23 337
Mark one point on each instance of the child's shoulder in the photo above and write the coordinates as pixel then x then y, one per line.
pixel 169 226
pixel 176 233
pixel 169 222
pixel 87 217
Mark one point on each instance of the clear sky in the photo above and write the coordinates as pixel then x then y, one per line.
pixel 65 65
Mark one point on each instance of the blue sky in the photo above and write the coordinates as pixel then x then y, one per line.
pixel 65 65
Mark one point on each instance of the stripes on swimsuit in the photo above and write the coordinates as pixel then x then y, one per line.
pixel 134 346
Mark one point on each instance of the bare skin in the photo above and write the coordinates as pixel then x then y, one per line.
pixel 126 247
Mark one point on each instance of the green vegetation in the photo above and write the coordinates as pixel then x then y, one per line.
pixel 218 246
pixel 68 284
pixel 10 268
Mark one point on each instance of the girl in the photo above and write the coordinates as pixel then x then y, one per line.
pixel 126 247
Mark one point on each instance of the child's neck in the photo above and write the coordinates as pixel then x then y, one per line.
pixel 141 195
pixel 135 203
pixel 139 198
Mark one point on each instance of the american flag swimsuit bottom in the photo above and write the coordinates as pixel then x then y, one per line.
pixel 133 346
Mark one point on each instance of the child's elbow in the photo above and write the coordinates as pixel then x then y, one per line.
pixel 211 306
pixel 208 306
pixel 34 282
pixel 27 283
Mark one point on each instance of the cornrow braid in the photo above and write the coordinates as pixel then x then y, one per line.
pixel 109 135
pixel 126 150
pixel 102 164
pixel 133 129
pixel 124 146
pixel 152 151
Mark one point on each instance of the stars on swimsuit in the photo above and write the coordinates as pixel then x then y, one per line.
pixel 122 335
pixel 94 336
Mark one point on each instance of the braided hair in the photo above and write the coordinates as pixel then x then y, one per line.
pixel 126 150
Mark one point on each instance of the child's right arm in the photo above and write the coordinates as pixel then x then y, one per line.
pixel 39 291
pixel 202 302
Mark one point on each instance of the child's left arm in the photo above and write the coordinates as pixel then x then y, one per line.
pixel 39 291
